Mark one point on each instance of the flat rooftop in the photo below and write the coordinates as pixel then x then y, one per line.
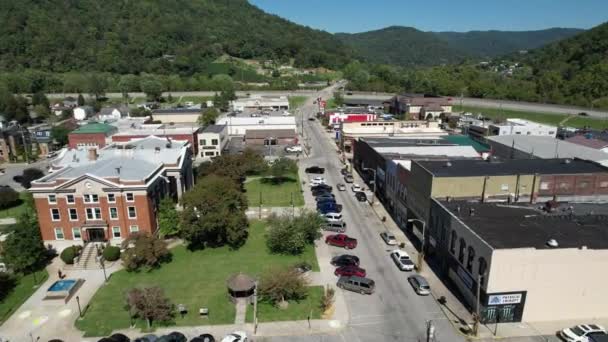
pixel 471 168
pixel 214 129
pixel 447 140
pixel 507 227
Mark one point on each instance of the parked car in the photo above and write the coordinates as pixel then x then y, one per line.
pixel 360 196
pixel 388 238
pixel 341 187
pixel 317 181
pixel 356 188
pixel 237 336
pixel 350 270
pixel 420 285
pixel 325 202
pixel 344 171
pixel 323 187
pixel 311 119
pixel 580 333
pixel 345 260
pixel 324 195
pixel 254 115
pixel 348 178
pixel 315 169
pixel 357 284
pixel 321 192
pixel 338 226
pixel 332 217
pixel 402 260
pixel 341 240
pixel 329 208
pixel 286 113
pixel 293 149
pixel 583 114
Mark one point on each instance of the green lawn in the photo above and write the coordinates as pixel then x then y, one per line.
pixel 24 289
pixel 196 279
pixel 295 311
pixel 274 195
pixel 547 118
pixel 296 101
pixel 14 211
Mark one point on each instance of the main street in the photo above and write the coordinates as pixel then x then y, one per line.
pixel 394 312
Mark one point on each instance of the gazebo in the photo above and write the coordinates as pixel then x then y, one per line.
pixel 240 285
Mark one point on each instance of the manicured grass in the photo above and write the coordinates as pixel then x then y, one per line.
pixel 26 286
pixel 196 279
pixel 547 118
pixel 15 211
pixel 296 311
pixel 274 194
pixel 296 101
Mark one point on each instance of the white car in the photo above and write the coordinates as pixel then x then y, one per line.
pixel 317 181
pixel 402 260
pixel 341 187
pixel 286 113
pixel 333 217
pixel 356 188
pixel 237 336
pixel 293 149
pixel 388 238
pixel 580 333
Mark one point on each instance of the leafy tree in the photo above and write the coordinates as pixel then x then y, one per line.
pixel 40 98
pixel 338 98
pixel 140 112
pixel 152 88
pixel 282 167
pixel 151 304
pixel 80 100
pixel 168 218
pixel 279 284
pixel 97 85
pixel 144 251
pixel 7 284
pixel 60 133
pixel 290 235
pixel 214 213
pixel 29 175
pixel 23 249
pixel 8 197
pixel 236 167
pixel 208 116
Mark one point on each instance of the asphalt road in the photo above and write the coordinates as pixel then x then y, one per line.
pixel 11 170
pixel 394 312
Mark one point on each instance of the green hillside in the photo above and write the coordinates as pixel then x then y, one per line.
pixel 157 36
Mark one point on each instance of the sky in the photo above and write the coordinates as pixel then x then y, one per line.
pixel 439 15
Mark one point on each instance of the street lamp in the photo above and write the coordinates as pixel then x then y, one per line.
pixel 422 243
pixel 79 309
pixel 374 191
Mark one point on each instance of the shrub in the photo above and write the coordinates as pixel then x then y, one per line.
pixel 111 253
pixel 282 283
pixel 144 250
pixel 7 283
pixel 328 299
pixel 68 254
pixel 8 197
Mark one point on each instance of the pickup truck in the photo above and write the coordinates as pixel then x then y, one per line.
pixel 341 240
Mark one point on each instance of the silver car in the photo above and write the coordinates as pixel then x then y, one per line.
pixel 335 226
pixel 420 285
pixel 388 238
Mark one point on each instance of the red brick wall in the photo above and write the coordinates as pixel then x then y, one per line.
pixel 88 138
pixel 146 219
pixel 575 185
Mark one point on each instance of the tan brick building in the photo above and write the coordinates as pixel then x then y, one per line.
pixel 107 194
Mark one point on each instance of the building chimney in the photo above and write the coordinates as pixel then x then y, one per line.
pixel 92 154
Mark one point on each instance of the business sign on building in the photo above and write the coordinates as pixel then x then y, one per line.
pixel 504 299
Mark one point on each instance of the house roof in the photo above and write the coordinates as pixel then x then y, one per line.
pixel 506 227
pixel 214 129
pixel 588 141
pixel 94 127
pixel 548 147
pixel 472 168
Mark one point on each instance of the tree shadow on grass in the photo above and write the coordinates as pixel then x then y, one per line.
pixel 276 180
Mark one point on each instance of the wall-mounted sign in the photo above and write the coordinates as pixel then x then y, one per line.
pixel 504 299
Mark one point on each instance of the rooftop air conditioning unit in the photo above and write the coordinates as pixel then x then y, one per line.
pixel 552 243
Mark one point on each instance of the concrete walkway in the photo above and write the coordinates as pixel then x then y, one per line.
pixel 241 311
pixel 265 212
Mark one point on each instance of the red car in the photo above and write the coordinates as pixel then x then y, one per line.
pixel 341 240
pixel 348 271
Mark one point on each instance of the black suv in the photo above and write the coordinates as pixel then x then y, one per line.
pixel 361 196
pixel 315 169
pixel 345 260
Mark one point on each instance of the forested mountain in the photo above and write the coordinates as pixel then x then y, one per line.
pixel 497 43
pixel 156 36
pixel 573 71
pixel 407 46
pixel 404 46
